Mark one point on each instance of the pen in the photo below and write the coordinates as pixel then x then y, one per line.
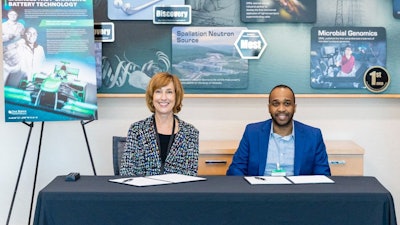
pixel 259 178
pixel 127 180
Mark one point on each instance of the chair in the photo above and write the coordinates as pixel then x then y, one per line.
pixel 118 149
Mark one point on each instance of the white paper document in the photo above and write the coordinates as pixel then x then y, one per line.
pixel 156 180
pixel 176 178
pixel 310 179
pixel 267 180
pixel 139 181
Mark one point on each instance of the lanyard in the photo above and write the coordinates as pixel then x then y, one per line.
pixel 278 166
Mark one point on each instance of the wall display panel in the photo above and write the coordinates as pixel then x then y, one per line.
pixel 340 56
pixel 396 9
pixel 142 48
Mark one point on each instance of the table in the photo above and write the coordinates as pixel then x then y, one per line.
pixel 92 200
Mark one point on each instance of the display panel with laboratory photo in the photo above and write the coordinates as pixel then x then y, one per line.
pixel 341 55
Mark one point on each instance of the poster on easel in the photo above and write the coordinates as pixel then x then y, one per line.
pixel 49 66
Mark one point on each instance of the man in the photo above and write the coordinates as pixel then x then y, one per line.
pixel 12 29
pixel 32 54
pixel 347 63
pixel 280 146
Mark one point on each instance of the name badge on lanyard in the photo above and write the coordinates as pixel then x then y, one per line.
pixel 278 173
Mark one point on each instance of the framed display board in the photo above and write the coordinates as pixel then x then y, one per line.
pixel 319 48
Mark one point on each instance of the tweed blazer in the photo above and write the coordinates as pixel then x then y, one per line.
pixel 141 155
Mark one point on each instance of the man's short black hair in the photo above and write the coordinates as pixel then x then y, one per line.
pixel 281 86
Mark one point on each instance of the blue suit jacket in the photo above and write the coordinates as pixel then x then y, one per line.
pixel 251 156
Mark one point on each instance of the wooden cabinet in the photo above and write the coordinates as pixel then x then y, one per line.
pixel 215 156
pixel 345 157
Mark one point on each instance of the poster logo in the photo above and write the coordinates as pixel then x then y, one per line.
pixel 172 14
pixel 250 44
pixel 376 79
pixel 104 32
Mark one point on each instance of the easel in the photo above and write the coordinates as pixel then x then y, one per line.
pixel 37 164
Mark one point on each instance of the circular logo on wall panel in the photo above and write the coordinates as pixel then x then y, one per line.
pixel 376 79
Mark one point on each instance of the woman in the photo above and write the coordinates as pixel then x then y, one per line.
pixel 161 143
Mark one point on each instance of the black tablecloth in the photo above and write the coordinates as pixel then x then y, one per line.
pixel 92 200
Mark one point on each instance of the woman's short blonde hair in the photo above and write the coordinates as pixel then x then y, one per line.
pixel 160 80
